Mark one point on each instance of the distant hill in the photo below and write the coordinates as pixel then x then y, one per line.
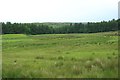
pixel 58 24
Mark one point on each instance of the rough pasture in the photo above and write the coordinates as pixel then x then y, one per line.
pixel 60 55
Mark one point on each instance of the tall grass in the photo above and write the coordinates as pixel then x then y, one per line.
pixel 60 55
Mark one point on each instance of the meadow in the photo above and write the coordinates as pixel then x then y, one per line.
pixel 93 55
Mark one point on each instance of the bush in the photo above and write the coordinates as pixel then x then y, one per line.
pixel 60 57
pixel 39 57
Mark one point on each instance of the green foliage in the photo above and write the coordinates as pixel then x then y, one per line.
pixel 61 28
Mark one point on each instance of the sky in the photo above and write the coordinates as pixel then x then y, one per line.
pixel 27 11
pixel 119 9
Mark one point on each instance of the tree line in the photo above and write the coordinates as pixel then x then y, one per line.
pixel 33 28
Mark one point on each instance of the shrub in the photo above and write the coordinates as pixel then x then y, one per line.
pixel 39 57
pixel 60 57
pixel 73 59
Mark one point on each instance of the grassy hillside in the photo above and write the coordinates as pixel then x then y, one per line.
pixel 60 55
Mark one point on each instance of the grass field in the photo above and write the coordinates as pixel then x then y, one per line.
pixel 60 55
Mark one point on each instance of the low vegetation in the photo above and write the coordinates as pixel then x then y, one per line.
pixel 60 55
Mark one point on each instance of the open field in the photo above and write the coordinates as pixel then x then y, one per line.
pixel 60 55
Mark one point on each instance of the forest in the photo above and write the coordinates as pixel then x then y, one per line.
pixel 44 28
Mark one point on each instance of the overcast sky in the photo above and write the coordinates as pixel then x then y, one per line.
pixel 58 10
